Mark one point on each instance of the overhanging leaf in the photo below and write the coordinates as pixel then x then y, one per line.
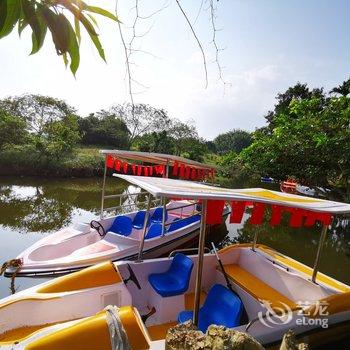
pixel 73 47
pixel 57 25
pixel 88 26
pixel 10 11
pixel 101 12
pixel 77 29
pixel 36 21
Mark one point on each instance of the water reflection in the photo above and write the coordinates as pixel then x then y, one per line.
pixel 32 207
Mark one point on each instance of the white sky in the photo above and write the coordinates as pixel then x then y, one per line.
pixel 269 46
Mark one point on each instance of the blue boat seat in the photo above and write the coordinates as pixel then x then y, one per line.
pixel 193 218
pixel 155 230
pixel 177 224
pixel 139 219
pixel 122 225
pixel 222 307
pixel 175 281
pixel 157 215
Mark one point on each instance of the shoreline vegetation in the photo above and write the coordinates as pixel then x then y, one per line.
pixel 306 138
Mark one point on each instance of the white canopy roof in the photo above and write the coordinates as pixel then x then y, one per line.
pixel 163 187
pixel 157 158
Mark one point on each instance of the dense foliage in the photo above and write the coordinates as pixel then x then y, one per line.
pixel 43 16
pixel 234 140
pixel 310 140
pixel 103 128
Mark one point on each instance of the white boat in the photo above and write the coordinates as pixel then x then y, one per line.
pixel 247 287
pixel 152 232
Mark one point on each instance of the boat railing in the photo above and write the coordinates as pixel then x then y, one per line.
pixel 122 206
pixel 195 250
pixel 120 195
pixel 194 211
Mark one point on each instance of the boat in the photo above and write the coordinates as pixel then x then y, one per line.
pixel 288 186
pixel 163 227
pixel 292 186
pixel 248 287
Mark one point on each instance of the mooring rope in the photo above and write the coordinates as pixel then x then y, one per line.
pixel 15 263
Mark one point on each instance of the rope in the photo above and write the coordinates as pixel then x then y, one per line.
pixel 16 264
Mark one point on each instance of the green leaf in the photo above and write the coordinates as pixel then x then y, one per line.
pixel 77 29
pixel 22 23
pixel 36 21
pixel 92 19
pixel 101 12
pixel 73 47
pixel 65 59
pixel 98 46
pixel 10 11
pixel 88 26
pixel 57 25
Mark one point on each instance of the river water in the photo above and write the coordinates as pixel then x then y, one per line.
pixel 31 208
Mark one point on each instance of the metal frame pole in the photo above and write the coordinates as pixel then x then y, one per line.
pixel 103 189
pixel 166 175
pixel 254 241
pixel 142 242
pixel 319 251
pixel 202 232
pixel 164 216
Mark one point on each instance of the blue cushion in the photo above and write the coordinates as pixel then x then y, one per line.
pixel 155 230
pixel 193 218
pixel 177 224
pixel 157 215
pixel 139 220
pixel 222 307
pixel 176 280
pixel 122 225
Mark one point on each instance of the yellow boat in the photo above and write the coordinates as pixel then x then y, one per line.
pixel 247 287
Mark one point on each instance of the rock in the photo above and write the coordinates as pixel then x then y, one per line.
pixel 289 342
pixel 186 336
pixel 244 341
pixel 176 336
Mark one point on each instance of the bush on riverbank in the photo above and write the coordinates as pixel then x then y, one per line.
pixel 27 161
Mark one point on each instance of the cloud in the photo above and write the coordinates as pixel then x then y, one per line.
pixel 249 96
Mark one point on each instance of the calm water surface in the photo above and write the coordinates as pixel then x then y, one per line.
pixel 31 208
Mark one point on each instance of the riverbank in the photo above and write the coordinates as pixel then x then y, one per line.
pixel 25 161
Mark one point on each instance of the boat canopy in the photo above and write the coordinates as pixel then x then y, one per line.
pixel 164 187
pixel 157 158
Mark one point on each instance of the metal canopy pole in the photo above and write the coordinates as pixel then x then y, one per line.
pixel 103 189
pixel 200 262
pixel 166 175
pixel 164 216
pixel 319 251
pixel 142 242
pixel 255 240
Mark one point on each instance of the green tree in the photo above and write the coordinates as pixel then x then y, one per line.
pixel 141 118
pixel 104 128
pixel 182 134
pixel 12 130
pixel 158 142
pixel 59 137
pixel 297 92
pixel 234 140
pixel 310 144
pixel 36 110
pixel 43 16
pixel 343 89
